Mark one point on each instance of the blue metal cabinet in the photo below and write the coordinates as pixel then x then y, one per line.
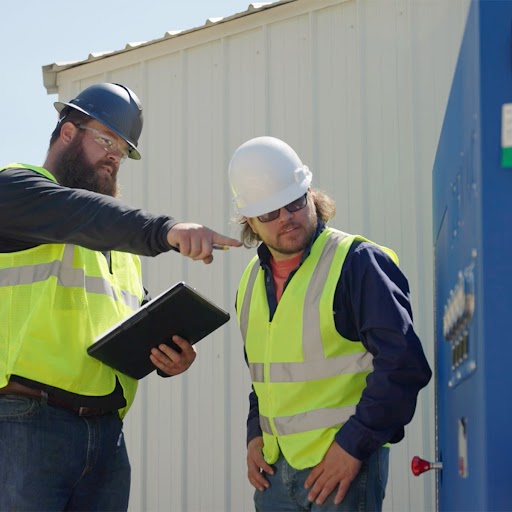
pixel 472 207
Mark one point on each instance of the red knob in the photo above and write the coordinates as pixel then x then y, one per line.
pixel 419 466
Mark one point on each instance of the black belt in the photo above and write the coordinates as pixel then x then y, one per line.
pixel 15 388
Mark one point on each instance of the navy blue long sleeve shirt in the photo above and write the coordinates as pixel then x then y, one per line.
pixel 371 305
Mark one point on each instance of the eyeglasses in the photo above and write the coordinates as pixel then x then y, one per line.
pixel 294 206
pixel 108 144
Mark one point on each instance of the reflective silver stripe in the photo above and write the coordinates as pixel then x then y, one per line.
pixel 256 370
pixel 306 421
pixel 67 277
pixel 265 424
pixel 314 370
pixel 132 301
pixel 67 256
pixel 323 369
pixel 312 339
pixel 27 275
pixel 244 313
pixel 99 285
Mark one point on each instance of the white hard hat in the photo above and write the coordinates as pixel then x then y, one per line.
pixel 266 174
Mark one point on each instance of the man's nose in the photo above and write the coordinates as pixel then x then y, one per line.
pixel 284 214
pixel 115 156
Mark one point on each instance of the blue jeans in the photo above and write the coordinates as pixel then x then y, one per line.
pixel 52 459
pixel 287 494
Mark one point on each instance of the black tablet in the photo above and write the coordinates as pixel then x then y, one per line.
pixel 179 310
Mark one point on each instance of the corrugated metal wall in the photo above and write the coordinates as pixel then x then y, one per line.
pixel 359 89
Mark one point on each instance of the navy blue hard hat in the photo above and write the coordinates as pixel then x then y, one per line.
pixel 113 105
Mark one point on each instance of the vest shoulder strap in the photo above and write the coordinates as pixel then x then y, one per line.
pixel 39 170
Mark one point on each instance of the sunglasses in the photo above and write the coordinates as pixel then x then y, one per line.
pixel 294 206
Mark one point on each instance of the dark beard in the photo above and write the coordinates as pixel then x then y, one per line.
pixel 72 170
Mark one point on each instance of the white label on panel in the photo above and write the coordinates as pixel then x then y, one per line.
pixel 506 125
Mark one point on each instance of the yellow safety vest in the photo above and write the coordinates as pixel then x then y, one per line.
pixel 307 377
pixel 54 300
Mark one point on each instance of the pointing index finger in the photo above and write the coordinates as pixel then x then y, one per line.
pixel 220 241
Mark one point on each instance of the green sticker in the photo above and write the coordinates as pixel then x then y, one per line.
pixel 506 157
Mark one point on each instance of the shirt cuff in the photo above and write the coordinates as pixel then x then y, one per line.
pixel 358 440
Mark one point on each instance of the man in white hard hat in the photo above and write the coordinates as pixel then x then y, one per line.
pixel 327 326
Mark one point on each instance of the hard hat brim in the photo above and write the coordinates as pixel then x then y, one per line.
pixel 277 201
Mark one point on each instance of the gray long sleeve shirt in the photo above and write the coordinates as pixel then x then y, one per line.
pixel 36 210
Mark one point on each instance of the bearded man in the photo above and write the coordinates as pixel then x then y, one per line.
pixel 70 270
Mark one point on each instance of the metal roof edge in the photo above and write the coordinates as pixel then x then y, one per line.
pixel 50 71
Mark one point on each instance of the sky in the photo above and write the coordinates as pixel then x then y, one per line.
pixel 35 33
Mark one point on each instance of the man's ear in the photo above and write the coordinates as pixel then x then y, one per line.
pixel 67 132
pixel 251 224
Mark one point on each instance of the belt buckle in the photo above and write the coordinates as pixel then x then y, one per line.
pixel 83 411
pixel 91 411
